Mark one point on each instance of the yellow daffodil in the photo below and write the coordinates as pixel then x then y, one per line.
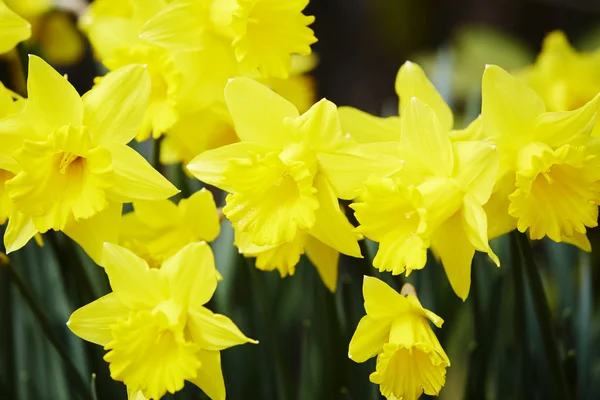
pixel 160 228
pixel 550 181
pixel 277 184
pixel 154 325
pixel 410 359
pixel 75 169
pixel 13 28
pixel 434 198
pixel 562 77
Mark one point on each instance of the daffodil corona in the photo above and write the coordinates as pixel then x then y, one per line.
pixel 410 359
pixel 154 325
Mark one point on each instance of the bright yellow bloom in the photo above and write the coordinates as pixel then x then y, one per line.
pixel 156 230
pixel 9 104
pixel 75 169
pixel 434 198
pixel 549 181
pixel 13 28
pixel 278 189
pixel 154 324
pixel 410 359
pixel 562 77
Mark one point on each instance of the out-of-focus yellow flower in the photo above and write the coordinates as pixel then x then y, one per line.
pixel 434 198
pixel 13 28
pixel 276 182
pixel 410 359
pixel 75 169
pixel 162 228
pixel 60 41
pixel 564 78
pixel 154 324
pixel 550 180
pixel 9 104
pixel 30 9
pixel 299 88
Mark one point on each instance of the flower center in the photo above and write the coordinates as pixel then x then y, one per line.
pixel 68 159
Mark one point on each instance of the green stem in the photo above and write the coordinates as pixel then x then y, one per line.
pixel 544 317
pixel 46 326
pixel 521 338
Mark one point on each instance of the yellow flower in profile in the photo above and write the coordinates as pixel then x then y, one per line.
pixel 564 78
pixel 550 181
pixel 13 28
pixel 75 169
pixel 410 359
pixel 161 228
pixel 154 325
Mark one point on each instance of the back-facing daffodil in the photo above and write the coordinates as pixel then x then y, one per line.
pixel 75 168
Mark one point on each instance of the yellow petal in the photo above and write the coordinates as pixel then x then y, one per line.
pixel 509 108
pixel 210 165
pixel 191 274
pixel 499 220
pixel 93 322
pixel 381 301
pixel 214 331
pixel 423 134
pixel 91 233
pixel 580 240
pixel 368 339
pixel 412 82
pixel 156 214
pixel 19 231
pixel 133 282
pixel 319 128
pixel 258 113
pixel 201 207
pixel 348 169
pixel 52 101
pixel 476 169
pixel 209 377
pixel 113 110
pixel 476 227
pixel 13 28
pixel 325 259
pixel 331 225
pixel 451 243
pixel 366 128
pixel 135 179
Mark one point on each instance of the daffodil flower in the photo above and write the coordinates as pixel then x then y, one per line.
pixel 550 181
pixel 13 28
pixel 154 325
pixel 74 166
pixel 410 359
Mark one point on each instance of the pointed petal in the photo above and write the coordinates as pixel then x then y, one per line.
pixel 509 108
pixel 200 213
pixel 558 128
pixel 113 110
pixel 133 282
pixel 411 82
pixel 325 259
pixel 209 377
pixel 580 240
pixel 368 339
pixel 191 274
pixel 476 170
pixel 476 227
pixel 93 322
pixel 135 179
pixel 423 134
pixel 91 233
pixel 450 242
pixel 258 113
pixel 177 27
pixel 52 101
pixel 381 301
pixel 156 214
pixel 210 165
pixel 13 28
pixel 19 231
pixel 320 127
pixel 331 225
pixel 348 169
pixel 214 331
pixel 366 128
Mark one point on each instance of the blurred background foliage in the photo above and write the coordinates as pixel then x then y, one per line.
pixel 493 340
